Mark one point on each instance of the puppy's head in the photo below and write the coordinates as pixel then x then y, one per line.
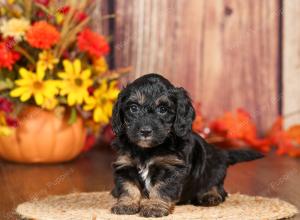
pixel 151 109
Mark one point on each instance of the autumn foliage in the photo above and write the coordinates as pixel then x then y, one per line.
pixel 237 129
pixel 286 141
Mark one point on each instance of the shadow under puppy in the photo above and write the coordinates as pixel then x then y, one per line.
pixel 161 162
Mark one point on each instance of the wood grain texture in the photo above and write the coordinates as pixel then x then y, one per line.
pixel 291 61
pixel 98 23
pixel 224 52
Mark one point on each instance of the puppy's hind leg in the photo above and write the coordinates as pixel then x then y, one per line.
pixel 213 197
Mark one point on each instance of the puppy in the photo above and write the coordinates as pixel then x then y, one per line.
pixel 161 162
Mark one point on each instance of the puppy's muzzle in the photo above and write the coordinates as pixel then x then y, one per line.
pixel 145 136
pixel 146 132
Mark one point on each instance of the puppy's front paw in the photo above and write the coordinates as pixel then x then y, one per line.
pixel 125 209
pixel 153 210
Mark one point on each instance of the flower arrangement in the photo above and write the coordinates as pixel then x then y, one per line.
pixel 51 58
pixel 237 129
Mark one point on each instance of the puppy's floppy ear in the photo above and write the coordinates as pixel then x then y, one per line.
pixel 117 120
pixel 185 113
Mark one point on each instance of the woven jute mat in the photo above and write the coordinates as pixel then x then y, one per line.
pixel 96 206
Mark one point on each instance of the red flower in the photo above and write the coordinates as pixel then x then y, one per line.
pixel 79 15
pixel 91 90
pixel 11 122
pixel 92 43
pixel 89 142
pixel 42 35
pixel 41 14
pixel 5 105
pixel 10 42
pixel 64 10
pixel 107 134
pixel 8 56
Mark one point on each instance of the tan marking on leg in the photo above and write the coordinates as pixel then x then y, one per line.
pixel 133 193
pixel 129 202
pixel 155 205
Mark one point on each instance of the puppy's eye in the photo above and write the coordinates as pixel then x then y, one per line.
pixel 162 109
pixel 134 108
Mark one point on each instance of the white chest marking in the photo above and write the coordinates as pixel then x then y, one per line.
pixel 144 173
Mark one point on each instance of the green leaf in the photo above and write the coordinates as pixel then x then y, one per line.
pixel 73 116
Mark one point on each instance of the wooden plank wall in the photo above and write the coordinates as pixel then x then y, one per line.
pixel 98 23
pixel 225 52
pixel 291 61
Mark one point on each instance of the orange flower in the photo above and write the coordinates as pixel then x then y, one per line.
pixel 8 56
pixel 92 43
pixel 286 141
pixel 42 35
pixel 294 135
pixel 239 126
pixel 235 125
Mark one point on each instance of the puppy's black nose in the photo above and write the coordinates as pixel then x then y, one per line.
pixel 146 131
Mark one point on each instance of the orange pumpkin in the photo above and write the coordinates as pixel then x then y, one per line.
pixel 42 137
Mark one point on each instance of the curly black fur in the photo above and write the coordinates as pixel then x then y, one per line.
pixel 161 162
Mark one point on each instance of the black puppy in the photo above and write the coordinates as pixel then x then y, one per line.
pixel 161 162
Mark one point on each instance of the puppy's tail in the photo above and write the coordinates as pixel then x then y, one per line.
pixel 237 156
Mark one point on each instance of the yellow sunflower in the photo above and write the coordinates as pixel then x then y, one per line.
pixel 75 82
pixel 100 65
pixel 33 84
pixel 50 103
pixel 47 59
pixel 102 101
